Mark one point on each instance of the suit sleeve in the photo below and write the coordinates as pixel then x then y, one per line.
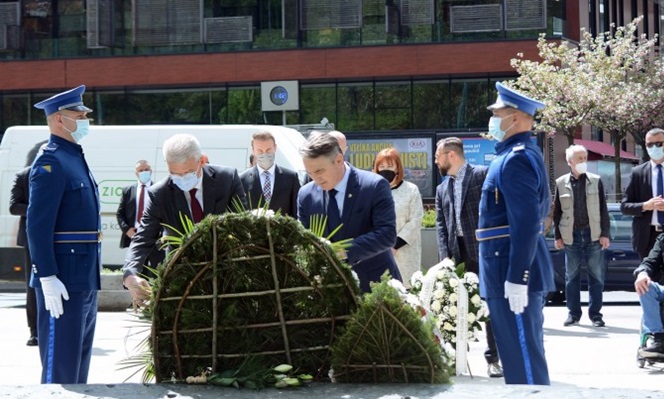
pixel 654 262
pixel 520 188
pixel 145 239
pixel 121 214
pixel 441 226
pixel 303 208
pixel 47 186
pixel 18 201
pixel 237 192
pixel 631 204
pixel 413 227
pixel 383 236
pixel 295 189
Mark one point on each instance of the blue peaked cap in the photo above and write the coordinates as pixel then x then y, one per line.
pixel 513 99
pixel 67 100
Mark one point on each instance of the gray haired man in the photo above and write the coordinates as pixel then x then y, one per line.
pixel 193 188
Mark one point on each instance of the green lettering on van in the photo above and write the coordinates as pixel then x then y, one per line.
pixel 110 191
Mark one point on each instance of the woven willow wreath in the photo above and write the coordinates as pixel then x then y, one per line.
pixel 243 287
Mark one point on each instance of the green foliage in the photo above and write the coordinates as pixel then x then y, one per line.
pixel 386 341
pixel 239 285
pixel 429 219
pixel 252 375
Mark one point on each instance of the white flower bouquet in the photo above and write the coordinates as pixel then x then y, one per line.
pixel 440 290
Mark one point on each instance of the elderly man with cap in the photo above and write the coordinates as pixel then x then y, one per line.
pixel 63 227
pixel 515 269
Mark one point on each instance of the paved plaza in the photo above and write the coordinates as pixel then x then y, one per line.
pixel 584 361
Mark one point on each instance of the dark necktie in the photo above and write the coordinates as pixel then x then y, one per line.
pixel 660 191
pixel 196 210
pixel 267 187
pixel 333 216
pixel 141 204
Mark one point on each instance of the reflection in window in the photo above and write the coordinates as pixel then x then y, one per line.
pixel 318 102
pixel 430 104
pixel 393 106
pixel 356 110
pixel 468 103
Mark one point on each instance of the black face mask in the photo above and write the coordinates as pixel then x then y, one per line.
pixel 389 175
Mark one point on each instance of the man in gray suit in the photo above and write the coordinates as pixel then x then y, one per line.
pixel 457 214
pixel 268 182
pixel 193 188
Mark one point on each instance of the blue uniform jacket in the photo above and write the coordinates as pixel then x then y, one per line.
pixel 63 198
pixel 515 193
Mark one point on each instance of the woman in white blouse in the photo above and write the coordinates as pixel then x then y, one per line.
pixel 409 210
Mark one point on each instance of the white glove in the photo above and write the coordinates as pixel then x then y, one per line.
pixel 517 295
pixel 54 291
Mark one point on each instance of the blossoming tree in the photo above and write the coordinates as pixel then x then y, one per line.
pixel 613 81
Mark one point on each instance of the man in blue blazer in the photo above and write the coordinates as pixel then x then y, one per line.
pixel 360 201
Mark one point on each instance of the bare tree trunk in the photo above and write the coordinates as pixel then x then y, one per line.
pixel 618 174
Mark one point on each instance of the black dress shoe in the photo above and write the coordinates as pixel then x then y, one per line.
pixel 598 322
pixel 570 321
pixel 32 341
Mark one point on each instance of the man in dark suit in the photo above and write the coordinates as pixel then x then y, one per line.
pixel 457 214
pixel 267 182
pixel 358 201
pixel 130 211
pixel 193 189
pixel 18 205
pixel 644 196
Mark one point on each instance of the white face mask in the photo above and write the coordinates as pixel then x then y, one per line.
pixel 581 168
pixel 655 153
pixel 144 176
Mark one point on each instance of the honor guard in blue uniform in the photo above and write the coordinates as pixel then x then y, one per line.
pixel 63 226
pixel 515 269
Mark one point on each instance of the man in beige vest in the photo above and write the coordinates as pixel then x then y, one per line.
pixel 582 226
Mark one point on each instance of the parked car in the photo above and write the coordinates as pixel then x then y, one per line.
pixel 620 260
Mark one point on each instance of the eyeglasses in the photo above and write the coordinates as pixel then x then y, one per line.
pixel 441 153
pixel 655 144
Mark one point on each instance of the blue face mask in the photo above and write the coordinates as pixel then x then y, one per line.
pixel 494 128
pixel 82 129
pixel 186 182
pixel 144 176
pixel 655 153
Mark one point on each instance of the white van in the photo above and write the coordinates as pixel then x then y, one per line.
pixel 111 153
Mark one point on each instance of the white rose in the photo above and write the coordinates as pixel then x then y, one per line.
pixel 448 327
pixel 440 286
pixel 440 275
pixel 476 300
pixel 454 282
pixel 397 285
pixel 453 298
pixel 453 311
pixel 471 318
pixel 417 277
pixel 436 306
pixel 471 278
pixel 439 294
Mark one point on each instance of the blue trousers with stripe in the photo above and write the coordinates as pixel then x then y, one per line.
pixel 520 340
pixel 65 344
